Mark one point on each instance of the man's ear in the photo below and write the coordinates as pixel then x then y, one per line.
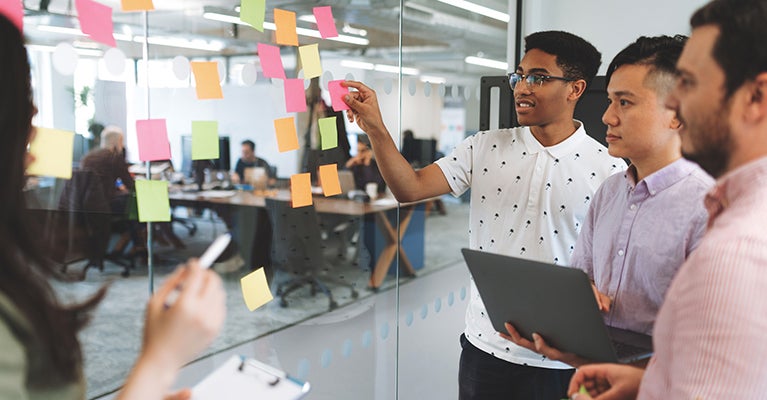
pixel 756 108
pixel 675 122
pixel 578 88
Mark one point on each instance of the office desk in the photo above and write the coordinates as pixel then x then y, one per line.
pixel 327 205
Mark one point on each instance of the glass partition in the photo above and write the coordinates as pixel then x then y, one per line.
pixel 364 288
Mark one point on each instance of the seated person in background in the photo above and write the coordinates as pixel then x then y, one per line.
pixel 108 164
pixel 644 223
pixel 364 166
pixel 409 148
pixel 249 159
pixel 41 355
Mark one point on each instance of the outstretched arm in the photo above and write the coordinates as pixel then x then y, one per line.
pixel 406 183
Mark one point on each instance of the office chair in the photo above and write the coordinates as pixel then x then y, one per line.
pixel 86 221
pixel 297 248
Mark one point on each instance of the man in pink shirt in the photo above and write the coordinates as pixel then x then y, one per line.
pixel 709 334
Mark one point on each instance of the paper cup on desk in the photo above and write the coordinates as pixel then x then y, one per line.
pixel 371 189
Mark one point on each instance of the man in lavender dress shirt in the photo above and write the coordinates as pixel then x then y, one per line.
pixel 709 336
pixel 644 223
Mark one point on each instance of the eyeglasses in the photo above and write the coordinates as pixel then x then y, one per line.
pixel 533 79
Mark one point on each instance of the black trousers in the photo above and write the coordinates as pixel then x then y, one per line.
pixel 483 376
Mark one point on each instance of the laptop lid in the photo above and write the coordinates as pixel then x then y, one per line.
pixel 556 302
pixel 346 179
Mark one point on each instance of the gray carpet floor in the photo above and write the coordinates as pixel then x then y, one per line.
pixel 112 340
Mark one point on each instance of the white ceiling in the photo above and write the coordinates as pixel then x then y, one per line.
pixel 436 36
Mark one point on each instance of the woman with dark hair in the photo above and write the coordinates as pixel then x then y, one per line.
pixel 41 357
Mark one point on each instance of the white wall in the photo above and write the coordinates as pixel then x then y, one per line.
pixel 610 25
pixel 420 114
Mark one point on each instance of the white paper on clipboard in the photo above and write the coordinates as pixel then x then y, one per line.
pixel 243 378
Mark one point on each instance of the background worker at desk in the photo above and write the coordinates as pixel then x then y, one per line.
pixel 528 190
pixel 643 224
pixel 249 159
pixel 364 167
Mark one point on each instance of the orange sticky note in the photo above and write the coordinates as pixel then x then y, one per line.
pixel 301 190
pixel 286 27
pixel 137 5
pixel 52 149
pixel 331 185
pixel 207 80
pixel 287 139
pixel 255 289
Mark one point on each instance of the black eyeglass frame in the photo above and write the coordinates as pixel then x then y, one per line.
pixel 531 79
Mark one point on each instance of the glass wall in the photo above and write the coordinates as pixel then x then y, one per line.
pixel 374 290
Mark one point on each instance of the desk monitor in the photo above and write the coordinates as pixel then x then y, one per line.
pixel 222 163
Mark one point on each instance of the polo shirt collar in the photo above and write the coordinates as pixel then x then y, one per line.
pixel 559 150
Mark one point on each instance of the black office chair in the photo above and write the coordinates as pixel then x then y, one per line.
pixel 297 248
pixel 85 224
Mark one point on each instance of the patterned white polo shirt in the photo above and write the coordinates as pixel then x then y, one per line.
pixel 527 201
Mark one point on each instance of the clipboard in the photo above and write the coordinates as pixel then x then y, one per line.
pixel 243 378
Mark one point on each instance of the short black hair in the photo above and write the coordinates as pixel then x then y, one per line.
pixel 250 144
pixel 578 58
pixel 364 139
pixel 660 53
pixel 739 49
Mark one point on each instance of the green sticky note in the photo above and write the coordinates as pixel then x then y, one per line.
pixel 328 132
pixel 252 12
pixel 153 202
pixel 205 140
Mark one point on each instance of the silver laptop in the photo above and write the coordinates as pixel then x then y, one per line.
pixel 346 179
pixel 555 302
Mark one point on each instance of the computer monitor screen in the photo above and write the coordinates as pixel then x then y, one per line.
pixel 81 147
pixel 419 152
pixel 223 162
pixel 590 108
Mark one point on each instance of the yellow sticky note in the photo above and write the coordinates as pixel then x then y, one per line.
pixel 52 149
pixel 137 5
pixel 153 202
pixel 331 185
pixel 255 289
pixel 207 81
pixel 301 190
pixel 286 27
pixel 310 60
pixel 287 138
pixel 205 140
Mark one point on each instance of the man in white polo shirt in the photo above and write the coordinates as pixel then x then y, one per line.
pixel 530 190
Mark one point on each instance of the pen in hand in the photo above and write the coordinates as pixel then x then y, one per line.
pixel 206 260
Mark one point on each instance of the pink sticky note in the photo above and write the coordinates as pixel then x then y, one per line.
pixel 14 11
pixel 271 62
pixel 153 142
pixel 337 93
pixel 325 22
pixel 96 21
pixel 295 97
